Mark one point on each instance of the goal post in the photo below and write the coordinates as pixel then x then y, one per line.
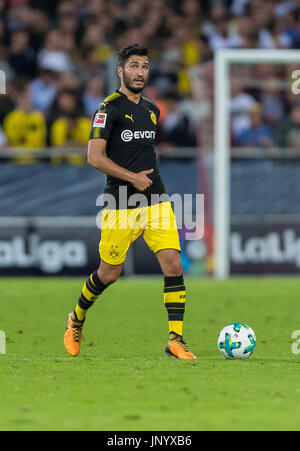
pixel 222 61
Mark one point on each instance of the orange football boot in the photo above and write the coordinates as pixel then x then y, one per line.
pixel 177 347
pixel 73 334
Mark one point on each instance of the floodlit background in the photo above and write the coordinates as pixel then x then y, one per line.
pixel 59 60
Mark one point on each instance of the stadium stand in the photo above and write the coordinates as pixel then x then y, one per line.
pixel 59 58
pixel 50 47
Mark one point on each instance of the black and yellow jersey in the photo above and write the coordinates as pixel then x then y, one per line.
pixel 129 130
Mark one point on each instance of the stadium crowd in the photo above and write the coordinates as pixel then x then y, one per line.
pixel 59 59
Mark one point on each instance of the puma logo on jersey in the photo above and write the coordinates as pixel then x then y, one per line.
pixel 129 117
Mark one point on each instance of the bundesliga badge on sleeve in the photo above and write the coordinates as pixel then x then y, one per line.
pixel 100 120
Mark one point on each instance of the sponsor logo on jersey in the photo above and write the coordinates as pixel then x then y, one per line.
pixel 100 120
pixel 128 135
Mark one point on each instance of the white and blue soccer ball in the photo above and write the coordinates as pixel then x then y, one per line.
pixel 237 341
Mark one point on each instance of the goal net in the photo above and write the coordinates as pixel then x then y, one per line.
pixel 249 156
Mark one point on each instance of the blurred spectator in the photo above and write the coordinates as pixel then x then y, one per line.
pixel 258 134
pixel 21 56
pixel 261 12
pixel 53 42
pixel 283 8
pixel 224 36
pixel 288 130
pixel 205 52
pixel 37 27
pixel 88 66
pixel 274 36
pixel 56 61
pixel 68 80
pixel 93 95
pixel 164 75
pixel 291 27
pixel 66 19
pixel 95 37
pixel 72 45
pixel 44 87
pixel 71 128
pixel 249 33
pixel 24 126
pixel 217 12
pixel 177 129
pixel 296 33
pixel 271 100
pixel 43 90
pixel 17 16
pixel 240 107
pixel 2 30
pixel 238 7
pixel 2 6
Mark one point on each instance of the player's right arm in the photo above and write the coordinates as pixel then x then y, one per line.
pixel 99 160
pixel 103 122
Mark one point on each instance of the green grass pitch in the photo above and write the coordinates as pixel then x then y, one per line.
pixel 122 380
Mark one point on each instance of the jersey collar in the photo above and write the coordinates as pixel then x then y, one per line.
pixel 124 95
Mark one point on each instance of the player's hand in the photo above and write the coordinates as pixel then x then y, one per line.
pixel 141 182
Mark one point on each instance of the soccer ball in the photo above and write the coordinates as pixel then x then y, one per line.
pixel 237 341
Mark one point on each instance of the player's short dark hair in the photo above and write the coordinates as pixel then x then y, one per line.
pixel 126 52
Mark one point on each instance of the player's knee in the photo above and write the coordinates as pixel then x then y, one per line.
pixel 173 266
pixel 109 277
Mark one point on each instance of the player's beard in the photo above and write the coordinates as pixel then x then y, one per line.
pixel 128 84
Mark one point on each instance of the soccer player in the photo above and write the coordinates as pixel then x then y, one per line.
pixel 122 145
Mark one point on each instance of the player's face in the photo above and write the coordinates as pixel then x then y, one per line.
pixel 135 73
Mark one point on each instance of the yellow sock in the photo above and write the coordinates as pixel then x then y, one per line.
pixel 176 326
pixel 80 313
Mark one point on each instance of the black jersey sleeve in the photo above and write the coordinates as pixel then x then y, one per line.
pixel 157 112
pixel 103 121
pixel 152 107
